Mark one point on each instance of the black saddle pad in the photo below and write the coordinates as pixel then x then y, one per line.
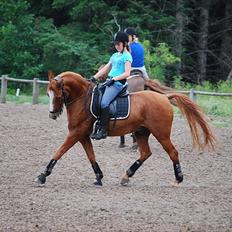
pixel 119 108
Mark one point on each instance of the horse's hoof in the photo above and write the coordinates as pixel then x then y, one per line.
pixel 41 179
pixel 180 178
pixel 98 182
pixel 134 146
pixel 175 183
pixel 121 145
pixel 125 181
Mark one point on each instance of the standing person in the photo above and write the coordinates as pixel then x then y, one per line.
pixel 137 52
pixel 120 67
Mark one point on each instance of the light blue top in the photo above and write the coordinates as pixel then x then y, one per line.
pixel 118 61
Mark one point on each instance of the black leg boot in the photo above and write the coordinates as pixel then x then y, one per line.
pixel 102 132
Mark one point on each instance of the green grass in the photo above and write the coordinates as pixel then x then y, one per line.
pixel 26 99
pixel 25 96
pixel 214 105
pixel 211 105
pixel 220 106
pixel 44 99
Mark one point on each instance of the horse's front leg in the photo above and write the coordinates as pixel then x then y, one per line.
pixel 68 143
pixel 88 147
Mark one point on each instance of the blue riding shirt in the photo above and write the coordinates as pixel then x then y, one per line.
pixel 137 52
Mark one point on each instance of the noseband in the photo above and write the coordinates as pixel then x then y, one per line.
pixel 64 97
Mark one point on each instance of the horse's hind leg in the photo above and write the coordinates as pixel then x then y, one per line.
pixel 135 144
pixel 142 136
pixel 173 154
pixel 122 141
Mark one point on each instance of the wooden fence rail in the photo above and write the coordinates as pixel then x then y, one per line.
pixel 35 92
pixel 36 83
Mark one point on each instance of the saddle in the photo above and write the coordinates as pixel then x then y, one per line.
pixel 119 107
pixel 136 72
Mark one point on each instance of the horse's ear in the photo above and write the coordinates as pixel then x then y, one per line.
pixel 51 75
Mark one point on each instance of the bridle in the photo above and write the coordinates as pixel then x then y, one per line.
pixel 64 97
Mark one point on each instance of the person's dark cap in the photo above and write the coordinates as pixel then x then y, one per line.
pixel 130 31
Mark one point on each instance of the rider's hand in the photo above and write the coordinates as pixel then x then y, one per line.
pixel 110 82
pixel 93 79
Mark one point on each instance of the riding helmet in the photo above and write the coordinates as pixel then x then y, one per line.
pixel 130 31
pixel 121 37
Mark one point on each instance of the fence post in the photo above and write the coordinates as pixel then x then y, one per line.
pixel 35 94
pixel 3 89
pixel 192 95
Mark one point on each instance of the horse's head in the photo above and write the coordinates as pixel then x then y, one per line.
pixel 56 94
pixel 66 88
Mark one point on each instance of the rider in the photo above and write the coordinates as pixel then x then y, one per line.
pixel 120 67
pixel 137 52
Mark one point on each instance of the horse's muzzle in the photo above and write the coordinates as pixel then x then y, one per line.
pixel 55 113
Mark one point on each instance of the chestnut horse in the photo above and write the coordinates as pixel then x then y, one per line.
pixel 151 113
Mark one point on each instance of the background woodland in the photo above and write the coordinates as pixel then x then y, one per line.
pixel 185 40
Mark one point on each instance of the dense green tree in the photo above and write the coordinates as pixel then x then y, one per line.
pixel 18 53
pixel 41 35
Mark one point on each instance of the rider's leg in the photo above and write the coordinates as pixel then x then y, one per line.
pixel 143 70
pixel 145 75
pixel 110 93
pixel 104 119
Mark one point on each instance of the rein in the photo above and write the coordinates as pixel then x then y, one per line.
pixel 65 98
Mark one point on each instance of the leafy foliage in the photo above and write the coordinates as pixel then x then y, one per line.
pixel 17 42
pixel 76 35
pixel 158 59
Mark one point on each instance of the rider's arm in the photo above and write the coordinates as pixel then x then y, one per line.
pixel 103 70
pixel 126 73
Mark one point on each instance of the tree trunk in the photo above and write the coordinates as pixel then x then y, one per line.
pixel 179 32
pixel 226 45
pixel 203 39
pixel 229 77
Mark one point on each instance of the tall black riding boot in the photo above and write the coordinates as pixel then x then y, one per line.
pixel 102 132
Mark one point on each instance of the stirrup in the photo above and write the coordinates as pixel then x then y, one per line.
pixel 92 136
pixel 96 128
pixel 99 135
